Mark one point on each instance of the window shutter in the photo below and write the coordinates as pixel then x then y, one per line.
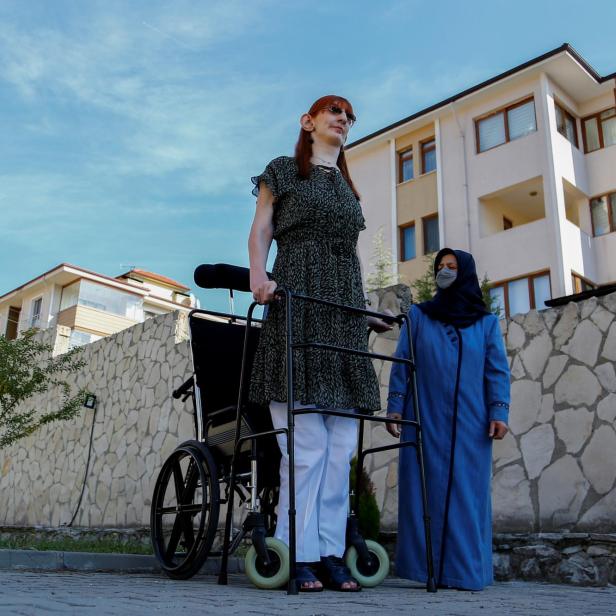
pixel 521 120
pixel 491 131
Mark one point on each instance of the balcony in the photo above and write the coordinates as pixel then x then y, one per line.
pixel 511 207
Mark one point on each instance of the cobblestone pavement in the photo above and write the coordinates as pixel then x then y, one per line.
pixel 33 594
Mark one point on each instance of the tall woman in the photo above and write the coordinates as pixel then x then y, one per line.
pixel 308 204
pixel 463 391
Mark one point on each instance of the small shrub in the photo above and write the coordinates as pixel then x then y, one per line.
pixel 368 511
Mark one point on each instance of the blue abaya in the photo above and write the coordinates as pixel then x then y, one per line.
pixel 462 385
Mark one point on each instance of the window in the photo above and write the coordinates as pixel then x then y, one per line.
pixel 35 315
pixel 522 294
pixel 78 338
pixel 428 156
pixel 603 214
pixel 102 297
pixel 407 242
pixel 581 284
pixel 599 130
pixel 12 323
pixel 430 233
pixel 405 165
pixel 566 124
pixel 506 125
pixel 507 224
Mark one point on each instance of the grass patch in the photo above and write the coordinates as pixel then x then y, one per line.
pixel 68 544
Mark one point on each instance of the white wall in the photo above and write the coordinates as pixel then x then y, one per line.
pixel 371 172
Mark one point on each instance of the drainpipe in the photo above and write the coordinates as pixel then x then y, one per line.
pixel 467 206
pixel 394 207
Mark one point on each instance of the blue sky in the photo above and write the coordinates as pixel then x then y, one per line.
pixel 130 129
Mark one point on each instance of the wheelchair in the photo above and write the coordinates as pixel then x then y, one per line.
pixel 235 455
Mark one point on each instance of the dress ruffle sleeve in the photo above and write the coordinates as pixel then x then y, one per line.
pixel 274 176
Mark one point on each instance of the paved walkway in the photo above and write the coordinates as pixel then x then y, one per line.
pixel 68 593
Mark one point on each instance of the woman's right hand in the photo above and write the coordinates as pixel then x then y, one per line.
pixel 394 428
pixel 263 291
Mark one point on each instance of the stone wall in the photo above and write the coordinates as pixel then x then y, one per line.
pixel 554 472
pixel 556 469
pixel 137 424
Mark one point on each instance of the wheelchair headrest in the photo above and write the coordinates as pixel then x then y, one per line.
pixel 222 276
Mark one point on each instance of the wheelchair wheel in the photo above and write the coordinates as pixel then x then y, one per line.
pixel 277 573
pixel 368 574
pixel 185 508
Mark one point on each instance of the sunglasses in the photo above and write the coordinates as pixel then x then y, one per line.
pixel 335 110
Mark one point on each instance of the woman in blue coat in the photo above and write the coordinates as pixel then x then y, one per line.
pixel 463 389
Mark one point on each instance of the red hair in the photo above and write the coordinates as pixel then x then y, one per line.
pixel 303 147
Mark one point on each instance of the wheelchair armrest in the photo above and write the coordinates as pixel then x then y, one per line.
pixel 184 388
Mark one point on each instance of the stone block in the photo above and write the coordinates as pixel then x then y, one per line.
pixel 607 376
pixel 562 489
pixel 517 368
pixel 606 409
pixel 525 405
pixel 550 316
pixel 577 386
pixel 564 329
pixel 505 451
pixel 573 427
pixel 511 502
pixel 547 408
pixel 530 570
pixel 609 348
pixel 587 307
pixel 516 337
pixel 537 447
pixel 536 354
pixel 600 517
pixel 501 563
pixel 599 459
pixel 602 318
pixel 609 301
pixel 533 323
pixel 585 343
pixel 578 570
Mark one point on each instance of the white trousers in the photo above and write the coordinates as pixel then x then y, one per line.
pixel 324 446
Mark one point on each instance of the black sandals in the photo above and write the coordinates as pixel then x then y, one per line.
pixel 304 575
pixel 335 573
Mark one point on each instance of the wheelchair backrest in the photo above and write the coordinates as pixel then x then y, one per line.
pixel 217 347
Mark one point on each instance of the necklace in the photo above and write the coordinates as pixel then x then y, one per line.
pixel 327 163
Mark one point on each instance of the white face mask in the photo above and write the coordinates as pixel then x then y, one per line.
pixel 445 278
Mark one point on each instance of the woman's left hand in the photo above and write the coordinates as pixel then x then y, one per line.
pixel 497 430
pixel 380 326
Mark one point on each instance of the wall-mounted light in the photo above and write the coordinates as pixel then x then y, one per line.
pixel 90 401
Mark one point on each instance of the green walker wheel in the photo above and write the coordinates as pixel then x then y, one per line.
pixel 368 574
pixel 270 576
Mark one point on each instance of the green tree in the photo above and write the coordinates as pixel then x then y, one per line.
pixel 425 287
pixel 27 369
pixel 382 264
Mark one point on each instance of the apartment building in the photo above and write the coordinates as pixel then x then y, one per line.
pixel 520 170
pixel 91 305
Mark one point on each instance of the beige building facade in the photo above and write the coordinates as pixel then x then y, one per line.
pixel 519 170
pixel 87 305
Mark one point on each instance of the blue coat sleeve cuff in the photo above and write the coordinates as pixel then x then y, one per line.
pixel 395 402
pixel 499 411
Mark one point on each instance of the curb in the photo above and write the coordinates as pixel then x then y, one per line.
pixel 39 560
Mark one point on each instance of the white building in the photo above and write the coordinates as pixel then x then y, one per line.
pixel 90 305
pixel 519 170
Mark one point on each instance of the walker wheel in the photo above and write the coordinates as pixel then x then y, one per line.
pixel 271 576
pixel 368 574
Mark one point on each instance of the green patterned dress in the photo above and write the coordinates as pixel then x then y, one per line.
pixel 316 225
